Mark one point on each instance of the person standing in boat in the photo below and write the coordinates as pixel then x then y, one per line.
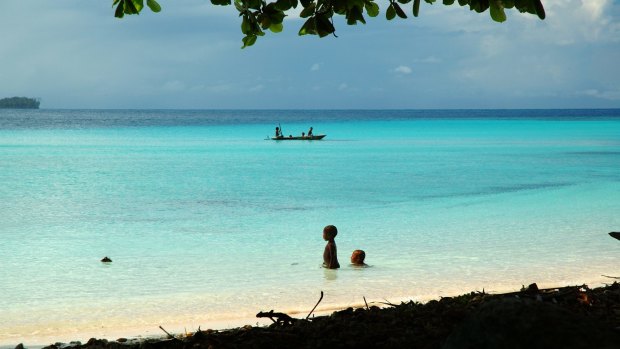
pixel 278 132
pixel 310 132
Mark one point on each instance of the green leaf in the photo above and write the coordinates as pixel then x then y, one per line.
pixel 430 1
pixel 372 9
pixel 249 40
pixel 497 11
pixel 276 27
pixel 399 11
pixel 153 5
pixel 138 5
pixel 404 1
pixel 463 2
pixel 129 8
pixel 416 7
pixel 246 27
pixel 390 13
pixel 221 2
pixel 448 2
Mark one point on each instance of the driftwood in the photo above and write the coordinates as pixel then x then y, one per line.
pixel 611 277
pixel 166 332
pixel 280 318
pixel 317 303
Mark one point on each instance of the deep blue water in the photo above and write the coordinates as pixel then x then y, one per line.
pixel 50 118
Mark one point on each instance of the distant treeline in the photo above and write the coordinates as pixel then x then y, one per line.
pixel 20 103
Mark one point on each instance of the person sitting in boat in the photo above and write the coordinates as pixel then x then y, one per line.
pixel 278 132
pixel 310 132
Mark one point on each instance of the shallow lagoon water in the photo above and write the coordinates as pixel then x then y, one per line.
pixel 208 223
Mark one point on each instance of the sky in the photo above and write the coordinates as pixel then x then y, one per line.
pixel 76 54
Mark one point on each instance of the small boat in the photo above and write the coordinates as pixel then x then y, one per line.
pixel 299 138
pixel 615 235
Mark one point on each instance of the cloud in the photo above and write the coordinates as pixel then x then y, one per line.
pixel 612 95
pixel 315 67
pixel 343 86
pixel 257 88
pixel 428 60
pixel 403 69
pixel 594 8
pixel 174 86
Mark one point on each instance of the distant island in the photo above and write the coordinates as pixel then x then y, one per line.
pixel 19 103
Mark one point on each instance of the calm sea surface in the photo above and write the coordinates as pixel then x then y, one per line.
pixel 208 223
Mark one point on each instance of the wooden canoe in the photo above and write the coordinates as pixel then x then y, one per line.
pixel 299 138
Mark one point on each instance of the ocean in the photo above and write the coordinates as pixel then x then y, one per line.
pixel 207 222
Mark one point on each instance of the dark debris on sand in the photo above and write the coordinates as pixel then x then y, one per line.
pixel 567 317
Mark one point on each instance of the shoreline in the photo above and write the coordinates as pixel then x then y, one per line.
pixel 153 332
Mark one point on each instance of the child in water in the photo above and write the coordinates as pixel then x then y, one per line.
pixel 330 255
pixel 357 258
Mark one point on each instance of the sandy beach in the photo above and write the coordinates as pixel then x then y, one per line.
pixel 562 317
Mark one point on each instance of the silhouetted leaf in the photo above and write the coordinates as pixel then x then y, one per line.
pixel 324 26
pixel 309 27
pixel 399 11
pixel 308 11
pixel 120 12
pixel 416 7
pixel 540 10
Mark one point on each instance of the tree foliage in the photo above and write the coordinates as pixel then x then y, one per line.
pixel 19 103
pixel 260 15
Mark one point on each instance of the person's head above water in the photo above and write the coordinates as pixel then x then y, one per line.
pixel 330 232
pixel 358 257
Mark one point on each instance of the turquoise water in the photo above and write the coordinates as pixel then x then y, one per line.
pixel 208 223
